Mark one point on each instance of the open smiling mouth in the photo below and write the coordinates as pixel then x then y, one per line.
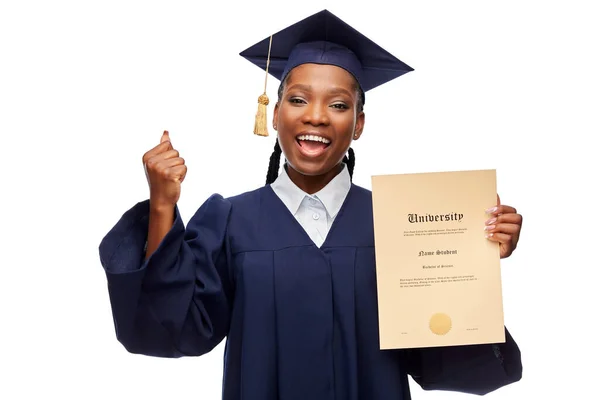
pixel 312 145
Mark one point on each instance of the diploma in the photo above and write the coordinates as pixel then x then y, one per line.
pixel 438 276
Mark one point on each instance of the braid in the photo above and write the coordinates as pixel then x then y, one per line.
pixel 350 161
pixel 274 164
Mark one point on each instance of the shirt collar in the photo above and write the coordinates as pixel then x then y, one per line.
pixel 332 195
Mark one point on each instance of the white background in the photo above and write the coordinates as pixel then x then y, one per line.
pixel 87 87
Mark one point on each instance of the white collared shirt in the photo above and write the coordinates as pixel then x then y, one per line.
pixel 315 212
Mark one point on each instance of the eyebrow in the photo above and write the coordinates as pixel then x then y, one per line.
pixel 308 88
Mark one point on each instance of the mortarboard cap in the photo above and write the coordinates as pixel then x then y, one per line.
pixel 323 38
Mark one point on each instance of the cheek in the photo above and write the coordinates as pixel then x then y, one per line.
pixel 290 115
pixel 344 125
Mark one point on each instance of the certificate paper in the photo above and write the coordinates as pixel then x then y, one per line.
pixel 438 276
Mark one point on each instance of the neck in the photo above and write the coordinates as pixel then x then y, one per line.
pixel 312 183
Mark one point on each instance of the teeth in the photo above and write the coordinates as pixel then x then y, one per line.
pixel 314 138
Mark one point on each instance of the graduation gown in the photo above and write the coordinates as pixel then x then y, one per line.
pixel 301 321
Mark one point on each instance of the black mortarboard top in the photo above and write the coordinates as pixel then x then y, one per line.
pixel 322 38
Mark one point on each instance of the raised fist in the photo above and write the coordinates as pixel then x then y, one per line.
pixel 165 171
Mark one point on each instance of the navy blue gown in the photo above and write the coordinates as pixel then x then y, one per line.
pixel 301 321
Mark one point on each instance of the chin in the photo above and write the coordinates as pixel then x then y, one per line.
pixel 311 168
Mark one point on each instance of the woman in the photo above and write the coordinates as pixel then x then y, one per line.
pixel 286 272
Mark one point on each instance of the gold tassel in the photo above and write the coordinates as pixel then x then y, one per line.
pixel 260 121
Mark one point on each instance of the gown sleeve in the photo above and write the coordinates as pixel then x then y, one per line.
pixel 178 302
pixel 474 369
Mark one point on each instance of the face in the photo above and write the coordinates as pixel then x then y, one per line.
pixel 317 118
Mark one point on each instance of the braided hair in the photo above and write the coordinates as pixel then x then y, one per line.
pixel 275 159
pixel 274 163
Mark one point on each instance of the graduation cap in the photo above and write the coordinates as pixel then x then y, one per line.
pixel 321 38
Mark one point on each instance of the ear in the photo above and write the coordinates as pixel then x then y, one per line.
pixel 360 124
pixel 275 115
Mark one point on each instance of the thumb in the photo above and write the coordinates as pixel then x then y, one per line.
pixel 498 199
pixel 165 137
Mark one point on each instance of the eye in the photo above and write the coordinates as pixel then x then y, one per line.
pixel 340 106
pixel 296 100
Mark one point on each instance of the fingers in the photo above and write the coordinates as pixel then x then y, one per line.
pixel 159 149
pixel 510 229
pixel 501 209
pixel 505 242
pixel 167 155
pixel 509 224
pixel 500 237
pixel 172 169
pixel 511 218
pixel 178 173
pixel 172 162
pixel 503 227
pixel 165 137
pixel 164 145
pixel 153 161
pixel 162 165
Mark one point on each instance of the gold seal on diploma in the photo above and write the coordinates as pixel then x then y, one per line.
pixel 440 324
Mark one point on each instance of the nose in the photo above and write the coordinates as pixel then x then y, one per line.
pixel 316 114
